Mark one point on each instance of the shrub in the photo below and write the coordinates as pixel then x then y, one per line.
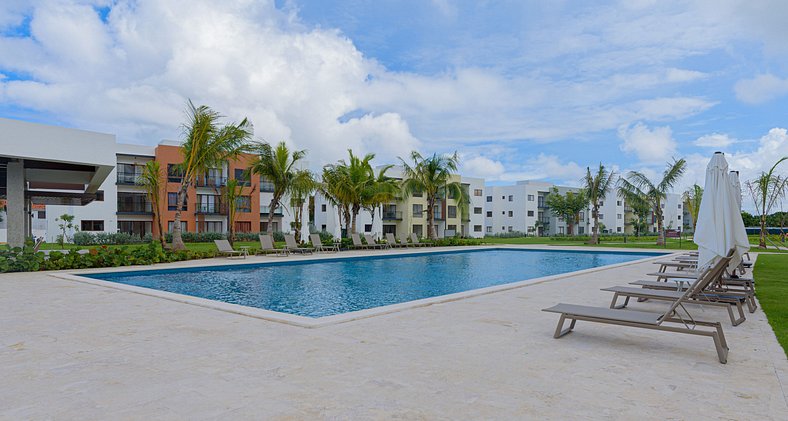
pixel 83 238
pixel 456 241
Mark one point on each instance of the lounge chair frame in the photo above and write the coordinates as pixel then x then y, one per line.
pixel 318 244
pixel 292 246
pixel 267 246
pixel 227 249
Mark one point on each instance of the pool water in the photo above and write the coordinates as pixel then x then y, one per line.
pixel 336 286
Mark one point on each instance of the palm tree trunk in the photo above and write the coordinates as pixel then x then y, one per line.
pixel 762 237
pixel 431 220
pixel 271 207
pixel 353 221
pixel 660 232
pixel 162 237
pixel 595 228
pixel 177 239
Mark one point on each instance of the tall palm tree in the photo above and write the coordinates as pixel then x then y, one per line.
pixel 597 186
pixel 765 190
pixel 333 190
pixel 279 165
pixel 692 198
pixel 381 190
pixel 567 206
pixel 150 180
pixel 432 177
pixel 207 145
pixel 352 180
pixel 230 194
pixel 304 184
pixel 636 186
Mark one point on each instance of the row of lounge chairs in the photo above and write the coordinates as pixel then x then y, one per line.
pixel 291 246
pixel 712 286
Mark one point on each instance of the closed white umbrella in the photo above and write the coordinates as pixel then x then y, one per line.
pixel 720 226
pixel 733 176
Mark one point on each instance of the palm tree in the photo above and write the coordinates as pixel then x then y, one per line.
pixel 278 165
pixel 765 191
pixel 352 180
pixel 150 180
pixel 231 193
pixel 304 184
pixel 381 190
pixel 332 189
pixel 636 186
pixel 642 209
pixel 207 145
pixel 431 176
pixel 597 186
pixel 567 206
pixel 692 198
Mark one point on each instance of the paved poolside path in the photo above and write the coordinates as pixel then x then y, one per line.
pixel 70 350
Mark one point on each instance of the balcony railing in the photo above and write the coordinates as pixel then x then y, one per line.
pixel 210 209
pixel 266 187
pixel 127 178
pixel 140 207
pixel 265 210
pixel 392 215
pixel 211 181
pixel 438 216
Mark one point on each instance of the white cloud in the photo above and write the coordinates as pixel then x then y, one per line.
pixel 480 166
pixel 545 167
pixel 650 145
pixel 714 140
pixel 760 89
pixel 673 74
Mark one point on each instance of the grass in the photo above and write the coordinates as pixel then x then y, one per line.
pixel 772 288
pixel 253 246
pixel 632 242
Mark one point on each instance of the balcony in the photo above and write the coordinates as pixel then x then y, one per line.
pixel 438 216
pixel 210 209
pixel 211 181
pixel 392 215
pixel 127 178
pixel 266 186
pixel 265 210
pixel 138 207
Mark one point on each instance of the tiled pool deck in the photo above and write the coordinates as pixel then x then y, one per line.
pixel 75 350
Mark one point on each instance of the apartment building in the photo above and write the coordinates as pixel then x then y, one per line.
pixel 125 207
pixel 409 214
pixel 673 215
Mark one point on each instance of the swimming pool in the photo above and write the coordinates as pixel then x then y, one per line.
pixel 326 287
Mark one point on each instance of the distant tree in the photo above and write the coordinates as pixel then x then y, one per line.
pixel 642 212
pixel 692 198
pixel 304 184
pixel 567 206
pixel 279 165
pixel 381 190
pixel 597 186
pixel 637 186
pixel 765 191
pixel 749 220
pixel 150 180
pixel 66 224
pixel 232 195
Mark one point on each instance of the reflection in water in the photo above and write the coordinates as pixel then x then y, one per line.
pixel 326 288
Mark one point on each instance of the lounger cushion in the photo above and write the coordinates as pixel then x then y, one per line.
pixel 631 316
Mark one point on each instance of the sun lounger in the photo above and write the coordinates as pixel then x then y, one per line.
pixel 373 244
pixel 392 241
pixel 267 246
pixel 415 241
pixel 357 244
pixel 318 244
pixel 226 249
pixel 670 321
pixel 292 246
pixel 403 239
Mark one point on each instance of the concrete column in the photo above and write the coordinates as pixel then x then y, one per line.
pixel 15 187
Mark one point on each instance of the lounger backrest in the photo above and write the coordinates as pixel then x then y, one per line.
pixel 315 240
pixel 390 238
pixel 369 239
pixel 707 276
pixel 413 238
pixel 223 245
pixel 403 237
pixel 266 242
pixel 356 240
pixel 290 241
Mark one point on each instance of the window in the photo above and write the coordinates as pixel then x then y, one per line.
pixel 511 198
pixel 601 204
pixel 243 204
pixel 323 227
pixel 511 214
pixel 452 211
pixel 618 229
pixel 209 203
pixel 560 230
pixel 530 198
pixel 477 211
pixel 92 225
pixel 323 207
pixel 510 228
pixel 266 186
pixel 477 228
pixel 530 213
pixel 503 229
pixel 503 213
pixel 212 226
pixel 503 197
pixel 601 216
pixel 239 175
pixel 619 216
pixel 135 228
pixel 418 230
pixel 452 228
pixel 618 203
pixel 583 216
pixel 581 230
pixel 678 217
pixel 662 206
pixel 264 226
pixel 171 225
pixel 174 173
pixel 478 193
pixel 172 201
pixel 679 205
pixel 489 228
pixel 418 194
pixel 489 214
pixel 489 198
pixel 243 226
pixel 42 214
pixel 367 227
pixel 418 210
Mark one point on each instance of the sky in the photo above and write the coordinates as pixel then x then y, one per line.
pixel 520 89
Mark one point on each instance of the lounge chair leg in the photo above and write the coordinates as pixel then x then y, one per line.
pixel 734 320
pixel 558 330
pixel 722 353
pixel 751 304
pixel 618 306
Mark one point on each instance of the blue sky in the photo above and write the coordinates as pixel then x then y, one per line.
pixel 522 89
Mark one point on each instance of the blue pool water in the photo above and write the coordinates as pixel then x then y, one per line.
pixel 324 288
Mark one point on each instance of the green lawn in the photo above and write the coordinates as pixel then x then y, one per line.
pixel 255 245
pixel 631 243
pixel 771 275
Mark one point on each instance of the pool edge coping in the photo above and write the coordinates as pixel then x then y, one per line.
pixel 308 322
